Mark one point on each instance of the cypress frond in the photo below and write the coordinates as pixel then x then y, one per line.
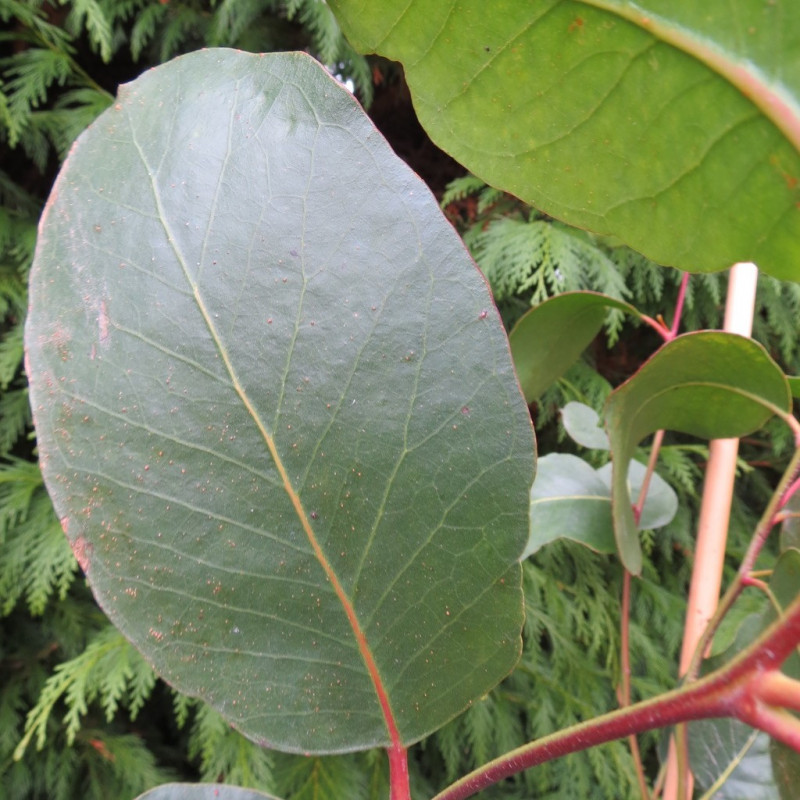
pixel 40 544
pixel 103 671
pixel 27 77
pixel 182 707
pixel 183 26
pixel 34 26
pixel 73 112
pixel 327 37
pixel 19 480
pixel 320 777
pixel 117 766
pixel 89 16
pixel 145 27
pixel 776 318
pixel 680 464
pixel 459 188
pixel 376 770
pixel 354 65
pixel 12 350
pixel 224 754
pixel 233 17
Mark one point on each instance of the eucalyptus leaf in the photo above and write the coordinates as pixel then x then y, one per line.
pixel 549 338
pixel 571 500
pixel 784 584
pixel 660 503
pixel 276 410
pixel 673 124
pixel 708 384
pixel 790 527
pixel 583 425
pixel 733 759
pixel 786 769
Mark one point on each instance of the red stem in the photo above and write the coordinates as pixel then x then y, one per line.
pixel 765 525
pixel 777 689
pixel 789 492
pixel 625 656
pixel 769 519
pixel 676 322
pixel 779 724
pixel 398 773
pixel 660 329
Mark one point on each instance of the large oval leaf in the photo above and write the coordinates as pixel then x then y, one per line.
pixel 674 124
pixel 276 409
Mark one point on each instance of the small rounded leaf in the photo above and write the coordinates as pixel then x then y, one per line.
pixel 709 384
pixel 583 425
pixel 549 338
pixel 569 500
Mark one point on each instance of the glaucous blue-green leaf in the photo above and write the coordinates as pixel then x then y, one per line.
pixel 731 760
pixel 673 124
pixel 548 339
pixel 276 410
pixel 660 503
pixel 203 791
pixel 571 500
pixel 582 424
pixel 708 384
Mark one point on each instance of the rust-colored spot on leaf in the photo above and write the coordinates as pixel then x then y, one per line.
pixel 790 180
pixel 83 552
pixel 102 322
pixel 575 25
